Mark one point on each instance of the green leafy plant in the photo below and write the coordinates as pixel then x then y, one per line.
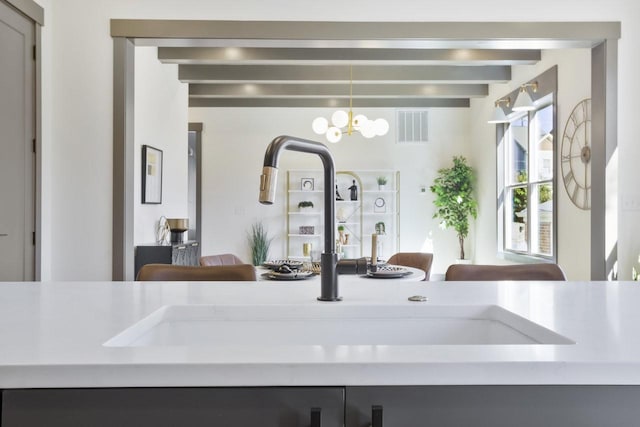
pixel 259 243
pixel 382 180
pixel 305 204
pixel 341 228
pixel 454 200
pixel 520 196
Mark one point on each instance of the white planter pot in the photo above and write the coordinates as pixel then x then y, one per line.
pixel 381 187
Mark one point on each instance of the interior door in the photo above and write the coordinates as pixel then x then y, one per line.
pixel 17 133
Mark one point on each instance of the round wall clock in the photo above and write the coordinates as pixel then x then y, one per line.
pixel 379 205
pixel 576 155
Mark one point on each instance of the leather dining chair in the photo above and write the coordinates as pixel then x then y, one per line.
pixel 419 260
pixel 221 259
pixel 470 272
pixel 188 273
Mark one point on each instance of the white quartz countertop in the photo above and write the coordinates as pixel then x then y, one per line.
pixel 52 335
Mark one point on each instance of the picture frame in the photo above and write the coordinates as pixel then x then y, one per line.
pixel 307 184
pixel 151 175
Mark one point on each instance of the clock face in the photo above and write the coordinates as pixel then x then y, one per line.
pixel 576 155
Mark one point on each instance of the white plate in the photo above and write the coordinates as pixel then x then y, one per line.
pixel 389 272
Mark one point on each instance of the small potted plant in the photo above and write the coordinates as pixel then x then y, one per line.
pixel 382 181
pixel 259 243
pixel 305 205
pixel 341 237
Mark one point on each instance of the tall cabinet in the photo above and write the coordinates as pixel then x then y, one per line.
pixel 363 207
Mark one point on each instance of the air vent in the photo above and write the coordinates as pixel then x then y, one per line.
pixel 413 127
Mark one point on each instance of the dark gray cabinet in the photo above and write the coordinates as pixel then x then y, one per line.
pixel 158 407
pixel 187 253
pixel 492 406
pixel 390 406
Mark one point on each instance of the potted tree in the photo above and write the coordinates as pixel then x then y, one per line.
pixel 454 200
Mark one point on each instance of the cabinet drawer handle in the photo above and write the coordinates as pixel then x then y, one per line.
pixel 3 234
pixel 376 416
pixel 194 244
pixel 181 247
pixel 316 417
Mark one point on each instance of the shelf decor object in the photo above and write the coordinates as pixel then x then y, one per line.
pixel 151 175
pixel 345 122
pixel 307 229
pixel 379 205
pixel 382 182
pixel 305 206
pixel 307 184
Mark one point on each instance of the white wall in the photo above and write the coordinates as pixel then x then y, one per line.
pixel 573 223
pixel 161 118
pixel 79 103
pixel 233 146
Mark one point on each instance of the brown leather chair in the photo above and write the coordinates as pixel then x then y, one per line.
pixel 222 259
pixel 187 273
pixel 419 260
pixel 469 272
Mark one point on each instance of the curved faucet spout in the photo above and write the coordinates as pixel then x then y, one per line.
pixel 268 181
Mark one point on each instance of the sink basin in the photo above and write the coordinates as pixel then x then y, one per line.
pixel 213 325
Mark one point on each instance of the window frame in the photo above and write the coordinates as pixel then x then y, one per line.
pixel 546 95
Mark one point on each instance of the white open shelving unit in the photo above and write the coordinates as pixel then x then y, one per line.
pixel 358 217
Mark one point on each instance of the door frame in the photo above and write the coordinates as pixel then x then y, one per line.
pixel 35 13
pixel 196 127
pixel 601 37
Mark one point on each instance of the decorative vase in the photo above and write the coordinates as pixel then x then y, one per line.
pixel 306 249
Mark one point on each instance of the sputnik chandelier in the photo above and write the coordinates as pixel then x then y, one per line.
pixel 345 122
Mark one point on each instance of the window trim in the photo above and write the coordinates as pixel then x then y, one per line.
pixel 547 85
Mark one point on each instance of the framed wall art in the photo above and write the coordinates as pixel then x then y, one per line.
pixel 151 175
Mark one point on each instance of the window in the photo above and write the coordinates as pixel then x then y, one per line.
pixel 526 150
